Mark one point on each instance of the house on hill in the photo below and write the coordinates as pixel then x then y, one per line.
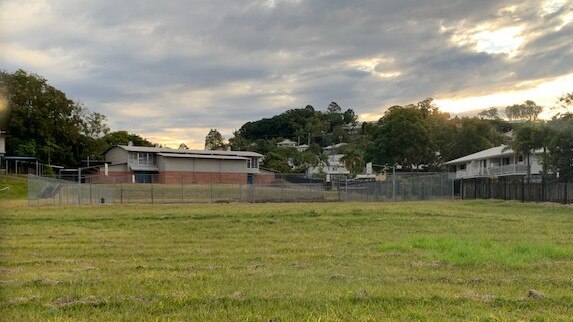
pixel 499 161
pixel 286 143
pixel 164 165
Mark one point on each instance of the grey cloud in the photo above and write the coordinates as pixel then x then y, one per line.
pixel 139 51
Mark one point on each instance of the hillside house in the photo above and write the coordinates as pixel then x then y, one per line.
pixel 286 143
pixel 333 167
pixel 499 161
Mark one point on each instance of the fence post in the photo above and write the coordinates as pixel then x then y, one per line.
pixel 394 183
pixel 565 192
pixel 462 188
pixel 211 187
pixel 152 201
pixel 523 189
pixel 543 187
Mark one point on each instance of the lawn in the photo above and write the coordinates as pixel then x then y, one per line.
pixel 465 260
pixel 13 187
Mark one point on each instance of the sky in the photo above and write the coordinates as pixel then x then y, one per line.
pixel 171 70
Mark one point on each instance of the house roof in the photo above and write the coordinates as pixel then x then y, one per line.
pixel 498 151
pixel 286 141
pixel 131 148
pixel 335 146
pixel 202 156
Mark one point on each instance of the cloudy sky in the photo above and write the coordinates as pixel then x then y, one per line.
pixel 171 70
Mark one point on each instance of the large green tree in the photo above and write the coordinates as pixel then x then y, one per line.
pixel 472 135
pixel 403 137
pixel 43 122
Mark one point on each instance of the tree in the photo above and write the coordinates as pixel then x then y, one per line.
pixel 353 160
pixel 123 138
pixel 333 108
pixel 472 135
pixel 214 140
pixel 403 137
pixel 489 114
pixel 528 111
pixel 277 161
pixel 42 114
pixel 566 102
pixel 560 146
pixel 350 117
pixel 183 146
pixel 94 125
pixel 527 138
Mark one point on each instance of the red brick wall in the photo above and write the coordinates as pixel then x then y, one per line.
pixel 181 177
pixel 185 177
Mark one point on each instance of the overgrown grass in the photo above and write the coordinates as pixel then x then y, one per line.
pixel 13 187
pixel 471 260
pixel 456 250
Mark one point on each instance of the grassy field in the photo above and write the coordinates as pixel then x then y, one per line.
pixel 13 187
pixel 472 260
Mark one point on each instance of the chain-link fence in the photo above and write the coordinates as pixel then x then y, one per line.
pixel 281 188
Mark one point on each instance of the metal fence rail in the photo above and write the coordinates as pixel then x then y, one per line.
pixel 52 191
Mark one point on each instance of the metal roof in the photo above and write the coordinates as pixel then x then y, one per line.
pixel 131 148
pixel 498 151
pixel 202 156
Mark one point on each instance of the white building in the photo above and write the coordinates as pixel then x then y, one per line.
pixel 333 167
pixel 2 143
pixel 286 143
pixel 499 161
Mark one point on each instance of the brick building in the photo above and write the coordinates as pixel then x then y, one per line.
pixel 182 166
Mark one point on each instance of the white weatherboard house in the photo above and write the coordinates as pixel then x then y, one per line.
pixel 499 161
pixel 333 167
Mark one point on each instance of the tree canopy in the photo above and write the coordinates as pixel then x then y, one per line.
pixel 43 122
pixel 214 140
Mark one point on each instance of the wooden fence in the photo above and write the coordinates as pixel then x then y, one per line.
pixel 516 189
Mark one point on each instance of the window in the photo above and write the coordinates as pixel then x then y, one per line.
pixel 253 163
pixel 142 158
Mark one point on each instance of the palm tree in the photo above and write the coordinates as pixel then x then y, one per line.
pixel 353 160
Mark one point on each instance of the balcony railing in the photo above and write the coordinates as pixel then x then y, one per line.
pixel 504 170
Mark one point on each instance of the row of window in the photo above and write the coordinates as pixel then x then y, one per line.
pixel 142 158
pixel 150 159
pixel 253 163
